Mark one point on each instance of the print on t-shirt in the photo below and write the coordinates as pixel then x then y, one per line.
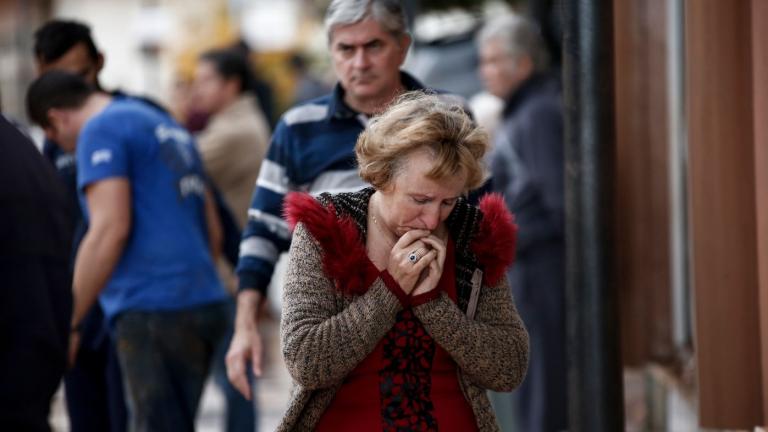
pixel 176 152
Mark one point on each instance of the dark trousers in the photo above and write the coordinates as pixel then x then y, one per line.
pixel 538 285
pixel 35 309
pixel 165 357
pixel 93 386
pixel 241 414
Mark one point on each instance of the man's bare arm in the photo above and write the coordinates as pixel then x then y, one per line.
pixel 109 209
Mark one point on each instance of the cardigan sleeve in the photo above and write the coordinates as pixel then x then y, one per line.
pixel 492 350
pixel 322 339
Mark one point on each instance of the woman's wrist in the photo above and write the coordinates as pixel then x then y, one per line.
pixel 395 288
pixel 418 299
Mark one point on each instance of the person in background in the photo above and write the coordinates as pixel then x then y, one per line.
pixel 232 146
pixel 147 255
pixel 35 294
pixel 93 385
pixel 312 150
pixel 397 313
pixel 235 140
pixel 261 88
pixel 528 168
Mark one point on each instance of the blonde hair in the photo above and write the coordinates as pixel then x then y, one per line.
pixel 419 121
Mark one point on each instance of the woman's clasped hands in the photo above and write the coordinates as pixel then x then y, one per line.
pixel 416 261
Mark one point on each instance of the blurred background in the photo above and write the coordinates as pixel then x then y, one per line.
pixel 151 46
pixel 689 193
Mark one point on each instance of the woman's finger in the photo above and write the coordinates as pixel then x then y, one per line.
pixel 424 261
pixel 420 249
pixel 405 241
pixel 431 281
pixel 438 245
pixel 406 271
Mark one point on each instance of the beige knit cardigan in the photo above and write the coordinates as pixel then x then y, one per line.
pixel 325 333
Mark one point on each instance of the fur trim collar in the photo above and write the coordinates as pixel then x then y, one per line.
pixel 344 257
pixel 341 238
pixel 495 242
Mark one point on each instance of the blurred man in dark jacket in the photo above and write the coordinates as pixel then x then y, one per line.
pixel 527 167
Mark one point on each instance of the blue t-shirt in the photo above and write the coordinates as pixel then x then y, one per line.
pixel 166 263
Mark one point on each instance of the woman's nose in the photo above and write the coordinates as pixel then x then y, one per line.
pixel 431 217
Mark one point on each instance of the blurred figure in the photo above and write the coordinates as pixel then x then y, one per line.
pixel 68 46
pixel 93 385
pixel 307 86
pixel 235 140
pixel 260 87
pixel 312 150
pixel 527 167
pixel 148 252
pixel 232 146
pixel 35 294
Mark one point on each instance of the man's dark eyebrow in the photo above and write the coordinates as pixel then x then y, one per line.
pixel 367 43
pixel 372 42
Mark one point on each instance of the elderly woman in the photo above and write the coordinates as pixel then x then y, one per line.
pixel 397 314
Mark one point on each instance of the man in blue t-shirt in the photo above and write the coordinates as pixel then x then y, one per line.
pixel 148 252
pixel 93 386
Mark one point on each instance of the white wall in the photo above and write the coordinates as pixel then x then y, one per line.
pixel 117 26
